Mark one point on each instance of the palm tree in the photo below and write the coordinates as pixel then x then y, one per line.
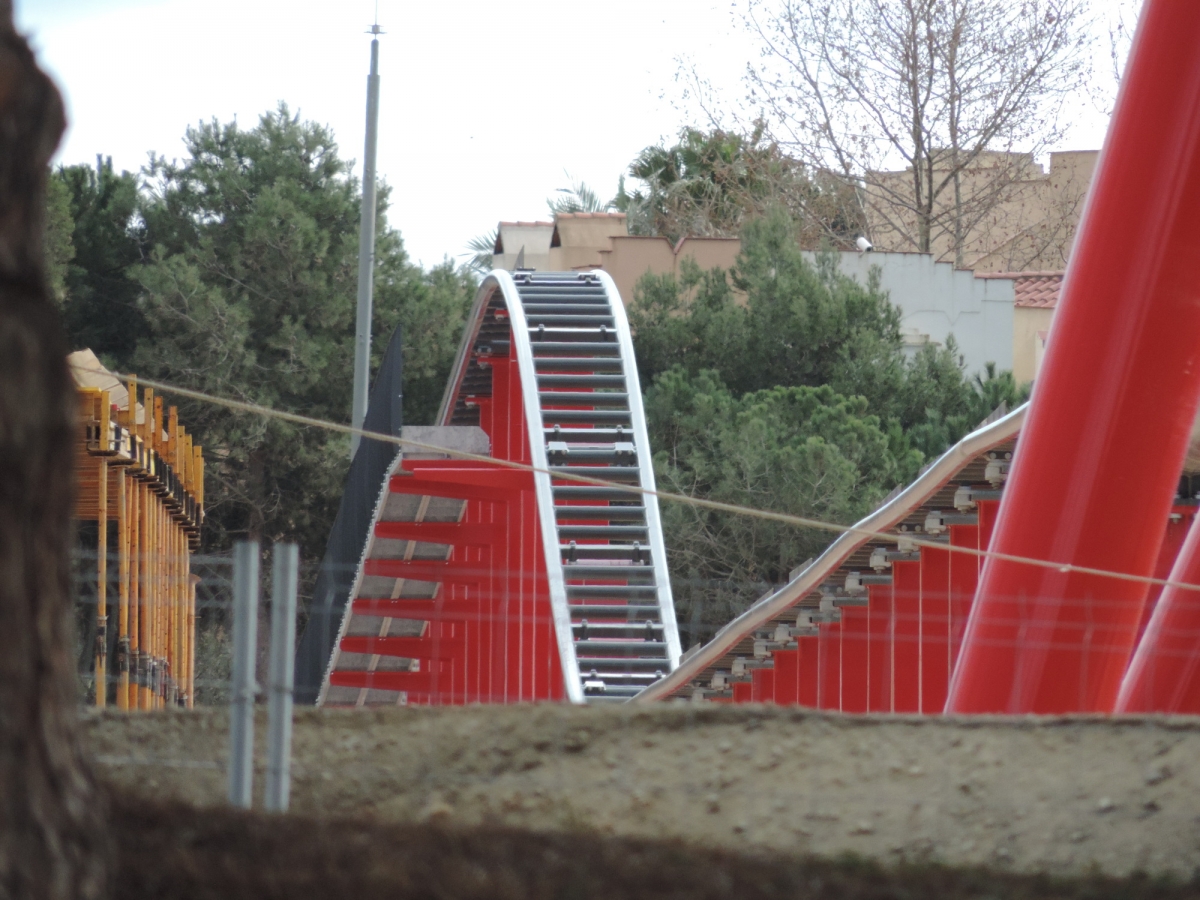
pixel 578 199
pixel 481 250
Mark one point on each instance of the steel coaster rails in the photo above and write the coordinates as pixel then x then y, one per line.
pixel 570 337
pixel 809 578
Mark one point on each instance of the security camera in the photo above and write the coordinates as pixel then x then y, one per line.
pixel 864 246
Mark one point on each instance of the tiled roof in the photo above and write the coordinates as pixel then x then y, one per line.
pixel 1032 289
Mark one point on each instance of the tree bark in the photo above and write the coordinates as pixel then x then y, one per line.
pixel 52 841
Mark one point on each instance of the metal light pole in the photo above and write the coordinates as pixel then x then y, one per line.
pixel 245 645
pixel 366 249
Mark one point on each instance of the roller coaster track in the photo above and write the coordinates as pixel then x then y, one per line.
pixel 481 583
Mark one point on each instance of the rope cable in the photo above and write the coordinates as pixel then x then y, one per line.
pixel 715 505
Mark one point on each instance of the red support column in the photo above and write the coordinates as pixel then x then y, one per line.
pixel 964 578
pixel 855 658
pixel 906 636
pixel 809 670
pixel 787 677
pixel 762 685
pixel 1164 675
pixel 879 626
pixel 1101 449
pixel 742 691
pixel 829 686
pixel 935 628
pixel 1178 525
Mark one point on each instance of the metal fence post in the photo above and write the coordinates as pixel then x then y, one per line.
pixel 285 563
pixel 245 643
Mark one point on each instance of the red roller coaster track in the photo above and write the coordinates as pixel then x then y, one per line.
pixel 1011 577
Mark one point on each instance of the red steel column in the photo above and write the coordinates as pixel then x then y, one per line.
pixel 935 628
pixel 1101 449
pixel 829 689
pixel 809 670
pixel 787 676
pixel 762 685
pixel 964 578
pixel 906 636
pixel 855 658
pixel 879 625
pixel 742 691
pixel 1164 675
pixel 1177 531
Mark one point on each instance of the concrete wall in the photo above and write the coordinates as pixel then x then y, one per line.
pixel 937 300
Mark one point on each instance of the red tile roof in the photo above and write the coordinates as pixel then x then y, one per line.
pixel 1032 289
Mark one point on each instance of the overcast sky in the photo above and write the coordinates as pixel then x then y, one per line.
pixel 485 106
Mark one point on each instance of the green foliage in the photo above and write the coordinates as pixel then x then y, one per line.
pixel 805 451
pixel 481 251
pixel 59 228
pixel 431 307
pixel 249 292
pixel 794 324
pixel 579 199
pixel 714 183
pixel 100 307
pixel 784 385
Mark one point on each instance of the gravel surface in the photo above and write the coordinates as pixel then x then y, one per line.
pixel 1063 796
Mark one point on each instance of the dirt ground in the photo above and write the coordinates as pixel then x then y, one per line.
pixel 181 852
pixel 1058 796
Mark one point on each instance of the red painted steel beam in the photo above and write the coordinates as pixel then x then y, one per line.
pixel 1164 675
pixel 454 533
pixel 964 579
pixel 415 609
pixel 762 686
pixel 880 636
pixel 403 647
pixel 1177 531
pixel 855 659
pixel 433 487
pixel 1104 440
pixel 829 683
pixel 382 681
pixel 423 570
pixel 742 691
pixel 479 610
pixel 809 671
pixel 935 628
pixel 906 636
pixel 787 676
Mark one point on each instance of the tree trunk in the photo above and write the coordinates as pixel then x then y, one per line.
pixel 51 813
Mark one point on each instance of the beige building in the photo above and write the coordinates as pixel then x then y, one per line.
pixel 580 241
pixel 1035 297
pixel 998 317
pixel 1018 216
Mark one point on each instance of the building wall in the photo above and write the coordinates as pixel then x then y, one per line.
pixel 1029 325
pixel 532 237
pixel 937 300
pixel 1031 227
pixel 629 258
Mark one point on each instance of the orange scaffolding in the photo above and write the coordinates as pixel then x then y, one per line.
pixel 137 470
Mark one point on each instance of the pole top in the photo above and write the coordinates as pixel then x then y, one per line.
pixel 375 29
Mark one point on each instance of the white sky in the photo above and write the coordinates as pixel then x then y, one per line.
pixel 485 106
